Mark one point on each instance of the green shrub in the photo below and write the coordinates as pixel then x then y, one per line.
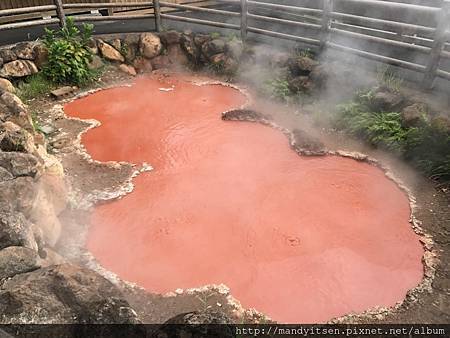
pixel 68 54
pixel 426 147
pixel 278 88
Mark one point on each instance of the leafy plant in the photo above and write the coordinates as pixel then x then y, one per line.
pixel 215 35
pixel 34 86
pixel 69 54
pixel 278 88
pixel 426 146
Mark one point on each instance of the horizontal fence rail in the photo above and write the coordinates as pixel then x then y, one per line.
pixel 410 36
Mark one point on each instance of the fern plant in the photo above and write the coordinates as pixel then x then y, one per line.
pixel 68 54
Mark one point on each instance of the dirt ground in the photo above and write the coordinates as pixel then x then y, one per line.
pixel 92 182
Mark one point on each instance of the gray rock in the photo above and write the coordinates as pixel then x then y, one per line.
pixel 306 144
pixel 15 230
pixel 13 138
pixel 190 48
pixel 301 66
pixel 208 316
pixel 385 100
pixel 24 51
pixel 414 115
pixel 18 69
pixel 21 193
pixel 235 49
pixel 7 55
pixel 213 47
pixel 64 294
pixel 11 104
pixel 130 52
pixel 19 164
pixel 15 260
pixel 5 175
pixel 201 39
pixel 171 37
pixel 132 39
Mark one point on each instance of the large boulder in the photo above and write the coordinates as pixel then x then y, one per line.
pixel 109 52
pixel 15 230
pixel 177 56
pixel 7 55
pixel 24 51
pixel 41 55
pixel 5 175
pixel 301 66
pixel 190 48
pixel 206 323
pixel 213 47
pixel 171 37
pixel 14 138
pixel 15 260
pixel 224 64
pixel 235 48
pixel 387 100
pixel 20 164
pixel 6 85
pixel 11 104
pixel 131 47
pixel 150 45
pixel 414 115
pixel 18 69
pixel 21 193
pixel 63 294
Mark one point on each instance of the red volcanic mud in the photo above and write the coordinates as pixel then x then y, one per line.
pixel 302 239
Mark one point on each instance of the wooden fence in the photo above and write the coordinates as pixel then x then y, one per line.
pixel 418 31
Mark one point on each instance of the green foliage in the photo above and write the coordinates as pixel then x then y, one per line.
pixel 34 86
pixel 215 35
pixel 427 147
pixel 278 88
pixel 387 78
pixel 68 54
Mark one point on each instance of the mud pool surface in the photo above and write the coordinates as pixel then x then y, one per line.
pixel 301 239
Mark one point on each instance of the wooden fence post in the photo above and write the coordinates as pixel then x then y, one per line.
pixel 326 21
pixel 157 11
pixel 244 24
pixel 440 39
pixel 60 12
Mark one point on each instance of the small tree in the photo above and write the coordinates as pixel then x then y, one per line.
pixel 68 54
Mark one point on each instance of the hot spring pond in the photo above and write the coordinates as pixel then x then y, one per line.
pixel 301 239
